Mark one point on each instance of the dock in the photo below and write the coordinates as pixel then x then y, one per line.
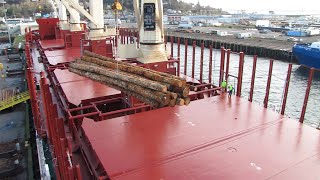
pixel 268 48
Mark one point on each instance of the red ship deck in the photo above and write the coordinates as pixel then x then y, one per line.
pixel 78 88
pixel 214 138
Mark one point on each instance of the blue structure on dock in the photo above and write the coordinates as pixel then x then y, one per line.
pixel 308 54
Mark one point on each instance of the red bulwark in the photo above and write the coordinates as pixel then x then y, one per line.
pixel 214 138
pixel 78 88
pixel 62 55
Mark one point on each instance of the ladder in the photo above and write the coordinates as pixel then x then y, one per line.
pixel 14 100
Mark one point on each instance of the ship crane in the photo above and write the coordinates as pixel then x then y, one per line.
pixel 149 16
pixel 97 29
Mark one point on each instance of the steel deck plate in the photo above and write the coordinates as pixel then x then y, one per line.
pixel 62 55
pixel 214 138
pixel 51 44
pixel 78 88
pixel 63 52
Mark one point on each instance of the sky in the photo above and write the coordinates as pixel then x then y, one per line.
pixel 263 5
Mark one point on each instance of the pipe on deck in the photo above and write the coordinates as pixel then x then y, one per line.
pixel 222 60
pixel 178 55
pixel 240 73
pixel 193 57
pixel 285 95
pixel 185 55
pixel 210 65
pixel 253 76
pixel 266 98
pixel 171 40
pixel 306 97
pixel 227 65
pixel 201 62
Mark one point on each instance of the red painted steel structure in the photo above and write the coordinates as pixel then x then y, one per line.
pixel 212 138
pixel 178 57
pixel 193 57
pixel 286 90
pixel 253 76
pixel 240 73
pixel 222 60
pixel 266 98
pixel 210 65
pixel 306 97
pixel 185 55
pixel 201 62
pixel 172 41
pixel 225 154
pixel 227 65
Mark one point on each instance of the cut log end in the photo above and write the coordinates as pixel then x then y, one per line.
pixel 193 88
pixel 180 102
pixel 172 102
pixel 187 101
pixel 185 92
pixel 166 99
pixel 177 83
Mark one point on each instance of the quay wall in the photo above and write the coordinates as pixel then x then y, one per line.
pixel 268 49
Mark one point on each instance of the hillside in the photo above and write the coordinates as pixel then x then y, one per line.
pixel 27 8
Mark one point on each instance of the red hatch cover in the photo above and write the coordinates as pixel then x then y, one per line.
pixel 51 44
pixel 63 55
pixel 214 138
pixel 78 88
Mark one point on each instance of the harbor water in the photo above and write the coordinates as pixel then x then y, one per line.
pixel 297 89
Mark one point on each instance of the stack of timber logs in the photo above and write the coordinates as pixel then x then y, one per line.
pixel 155 88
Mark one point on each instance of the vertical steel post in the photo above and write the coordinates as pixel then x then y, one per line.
pixel 79 177
pixel 253 76
pixel 240 73
pixel 121 37
pixel 201 62
pixel 306 97
pixel 45 103
pixel 227 64
pixel 266 98
pixel 222 59
pixel 165 42
pixel 178 54
pixel 185 55
pixel 285 95
pixel 63 159
pixel 210 65
pixel 171 40
pixel 193 57
pixel 128 35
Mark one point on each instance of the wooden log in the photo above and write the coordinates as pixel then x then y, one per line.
pixel 160 97
pixel 172 102
pixel 172 95
pixel 182 91
pixel 192 88
pixel 133 70
pixel 82 65
pixel 167 85
pixel 110 83
pixel 181 81
pixel 187 101
pixel 180 102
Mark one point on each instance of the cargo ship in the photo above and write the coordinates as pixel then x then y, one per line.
pixel 86 129
pixel 308 54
